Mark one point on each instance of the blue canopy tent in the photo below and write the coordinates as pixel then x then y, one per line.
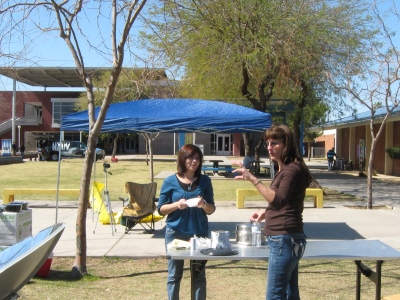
pixel 173 115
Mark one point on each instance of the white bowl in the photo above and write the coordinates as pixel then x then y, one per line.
pixel 192 202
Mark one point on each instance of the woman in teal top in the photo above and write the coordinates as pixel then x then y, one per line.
pixel 183 222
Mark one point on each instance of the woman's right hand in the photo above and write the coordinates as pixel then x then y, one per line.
pixel 257 216
pixel 182 204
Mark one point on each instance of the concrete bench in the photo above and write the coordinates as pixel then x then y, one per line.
pixel 392 297
pixel 9 193
pixel 318 195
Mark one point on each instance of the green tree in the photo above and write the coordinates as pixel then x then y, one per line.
pixel 257 50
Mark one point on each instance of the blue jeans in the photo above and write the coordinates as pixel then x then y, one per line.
pixel 330 165
pixel 283 266
pixel 175 270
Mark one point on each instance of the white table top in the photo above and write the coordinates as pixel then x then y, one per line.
pixel 315 250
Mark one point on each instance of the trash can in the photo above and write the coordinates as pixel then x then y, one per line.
pixel 45 268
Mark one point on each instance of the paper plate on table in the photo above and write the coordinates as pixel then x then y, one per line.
pixel 192 202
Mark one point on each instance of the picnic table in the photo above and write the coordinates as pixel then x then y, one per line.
pixel 256 166
pixel 215 162
pixel 351 250
pixel 216 168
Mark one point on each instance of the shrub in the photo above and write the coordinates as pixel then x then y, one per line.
pixel 393 152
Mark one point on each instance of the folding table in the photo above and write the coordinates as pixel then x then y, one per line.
pixel 352 250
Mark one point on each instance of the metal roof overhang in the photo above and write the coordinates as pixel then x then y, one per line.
pixel 50 77
pixel 55 76
pixel 356 121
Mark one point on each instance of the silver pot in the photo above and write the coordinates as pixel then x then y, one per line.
pixel 243 234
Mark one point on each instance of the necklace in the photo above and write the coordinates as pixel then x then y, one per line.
pixel 189 185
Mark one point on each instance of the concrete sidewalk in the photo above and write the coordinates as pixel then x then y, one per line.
pixel 334 221
pixel 331 222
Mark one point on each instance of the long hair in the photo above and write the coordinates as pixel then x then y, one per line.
pixel 185 152
pixel 289 152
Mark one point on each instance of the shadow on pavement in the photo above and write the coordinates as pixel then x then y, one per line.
pixel 330 231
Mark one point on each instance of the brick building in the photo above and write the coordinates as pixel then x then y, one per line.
pixel 353 140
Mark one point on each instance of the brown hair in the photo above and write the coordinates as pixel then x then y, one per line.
pixel 289 152
pixel 185 152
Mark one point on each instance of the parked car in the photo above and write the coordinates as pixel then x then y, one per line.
pixel 71 149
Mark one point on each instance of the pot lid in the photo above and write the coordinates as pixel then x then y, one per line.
pixel 243 226
pixel 219 251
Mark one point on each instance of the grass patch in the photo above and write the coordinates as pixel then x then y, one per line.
pixel 118 278
pixel 44 175
pixel 115 278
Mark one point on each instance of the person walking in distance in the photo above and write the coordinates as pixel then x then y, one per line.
pixel 21 151
pixel 330 155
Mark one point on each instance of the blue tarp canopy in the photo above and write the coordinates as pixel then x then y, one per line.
pixel 173 115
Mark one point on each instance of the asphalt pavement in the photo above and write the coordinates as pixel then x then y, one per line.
pixel 335 221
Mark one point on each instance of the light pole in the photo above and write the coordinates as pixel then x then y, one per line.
pixel 19 136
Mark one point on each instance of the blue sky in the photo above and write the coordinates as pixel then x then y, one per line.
pixel 49 50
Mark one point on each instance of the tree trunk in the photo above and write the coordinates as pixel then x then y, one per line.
pixel 115 145
pixel 257 150
pixel 246 143
pixel 149 152
pixel 79 269
pixel 369 177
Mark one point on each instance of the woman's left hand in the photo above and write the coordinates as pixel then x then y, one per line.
pixel 201 202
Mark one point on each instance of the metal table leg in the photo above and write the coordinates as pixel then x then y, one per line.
pixel 375 277
pixel 192 280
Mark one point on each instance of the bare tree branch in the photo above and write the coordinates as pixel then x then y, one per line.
pixel 373 82
pixel 43 17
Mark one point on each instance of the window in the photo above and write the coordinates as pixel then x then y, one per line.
pixel 213 143
pixel 61 107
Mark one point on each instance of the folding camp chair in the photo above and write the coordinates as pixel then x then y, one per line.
pixel 141 208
